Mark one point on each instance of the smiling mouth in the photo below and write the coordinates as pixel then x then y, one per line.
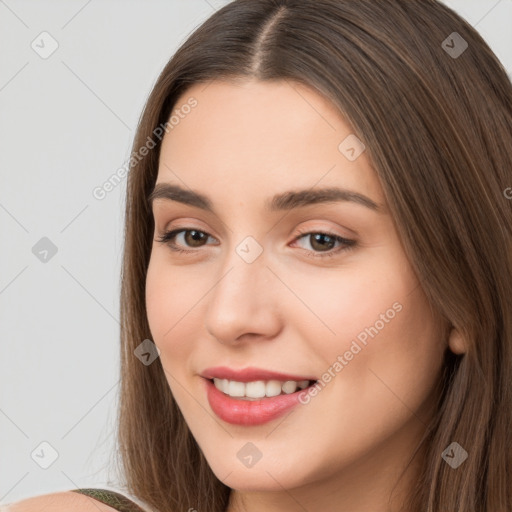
pixel 260 389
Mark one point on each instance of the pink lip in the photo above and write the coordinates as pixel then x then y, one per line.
pixel 249 412
pixel 250 374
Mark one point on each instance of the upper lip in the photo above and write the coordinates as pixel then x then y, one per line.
pixel 250 374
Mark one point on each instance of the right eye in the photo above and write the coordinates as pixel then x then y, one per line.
pixel 191 238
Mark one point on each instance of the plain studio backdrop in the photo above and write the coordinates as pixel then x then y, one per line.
pixel 74 76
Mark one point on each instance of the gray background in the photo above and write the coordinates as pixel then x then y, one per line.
pixel 66 125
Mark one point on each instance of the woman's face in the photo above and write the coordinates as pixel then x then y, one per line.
pixel 267 285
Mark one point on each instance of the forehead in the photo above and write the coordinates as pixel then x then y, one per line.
pixel 261 134
pixel 250 111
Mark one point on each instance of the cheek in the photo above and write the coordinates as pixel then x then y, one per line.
pixel 386 363
pixel 379 371
pixel 172 305
pixel 373 332
pixel 350 302
pixel 409 353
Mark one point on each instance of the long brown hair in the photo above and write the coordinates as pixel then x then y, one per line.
pixel 436 119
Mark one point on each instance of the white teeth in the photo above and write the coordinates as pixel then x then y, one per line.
pixel 273 388
pixel 255 389
pixel 289 386
pixel 259 388
pixel 236 388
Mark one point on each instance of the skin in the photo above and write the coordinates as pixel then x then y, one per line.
pixel 289 311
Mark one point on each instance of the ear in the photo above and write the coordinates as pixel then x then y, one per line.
pixel 456 342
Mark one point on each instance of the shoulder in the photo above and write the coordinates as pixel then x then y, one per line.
pixel 57 502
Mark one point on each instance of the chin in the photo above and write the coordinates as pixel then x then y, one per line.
pixel 260 481
pixel 268 476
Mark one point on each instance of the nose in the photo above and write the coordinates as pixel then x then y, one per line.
pixel 243 303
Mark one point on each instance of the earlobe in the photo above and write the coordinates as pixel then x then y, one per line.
pixel 456 342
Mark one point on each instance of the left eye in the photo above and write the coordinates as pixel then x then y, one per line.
pixel 322 243
pixel 325 242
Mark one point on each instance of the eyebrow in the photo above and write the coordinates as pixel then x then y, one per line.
pixel 280 202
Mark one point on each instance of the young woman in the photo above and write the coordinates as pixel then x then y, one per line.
pixel 317 276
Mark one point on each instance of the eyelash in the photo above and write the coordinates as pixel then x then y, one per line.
pixel 168 236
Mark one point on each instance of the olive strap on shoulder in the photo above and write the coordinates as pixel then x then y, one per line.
pixel 112 499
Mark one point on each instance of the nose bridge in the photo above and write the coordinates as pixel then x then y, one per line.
pixel 240 300
pixel 244 267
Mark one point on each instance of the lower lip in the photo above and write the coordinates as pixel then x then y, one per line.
pixel 249 412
